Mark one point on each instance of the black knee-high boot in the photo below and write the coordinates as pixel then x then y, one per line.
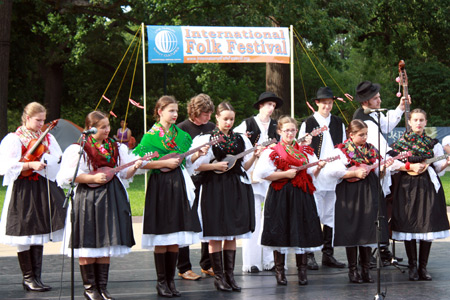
pixel 36 252
pixel 101 277
pixel 217 265
pixel 29 282
pixel 424 253
pixel 171 263
pixel 90 286
pixel 352 257
pixel 161 285
pixel 365 253
pixel 411 252
pixel 229 258
pixel 279 268
pixel 301 260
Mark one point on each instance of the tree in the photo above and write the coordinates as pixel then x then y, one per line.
pixel 5 31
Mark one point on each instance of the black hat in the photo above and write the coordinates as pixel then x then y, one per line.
pixel 268 96
pixel 324 93
pixel 366 90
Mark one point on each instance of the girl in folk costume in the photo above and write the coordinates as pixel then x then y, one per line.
pixel 226 199
pixel 419 209
pixel 356 207
pixel 102 223
pixel 169 221
pixel 291 222
pixel 30 218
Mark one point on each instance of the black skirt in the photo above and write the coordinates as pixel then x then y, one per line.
pixel 291 219
pixel 29 212
pixel 102 216
pixel 167 208
pixel 356 212
pixel 417 208
pixel 227 205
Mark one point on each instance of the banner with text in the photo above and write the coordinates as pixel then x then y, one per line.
pixel 207 44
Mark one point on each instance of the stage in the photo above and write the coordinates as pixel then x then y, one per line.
pixel 134 277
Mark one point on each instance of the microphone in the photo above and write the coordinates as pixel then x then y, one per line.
pixel 369 110
pixel 93 130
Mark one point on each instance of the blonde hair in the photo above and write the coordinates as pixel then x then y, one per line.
pixel 162 103
pixel 285 120
pixel 199 104
pixel 31 110
pixel 93 118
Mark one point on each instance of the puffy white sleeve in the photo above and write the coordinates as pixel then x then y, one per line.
pixel 52 159
pixel 335 170
pixel 264 167
pixel 69 164
pixel 439 151
pixel 242 128
pixel 10 154
pixel 311 159
pixel 126 157
pixel 302 130
pixel 248 145
pixel 205 159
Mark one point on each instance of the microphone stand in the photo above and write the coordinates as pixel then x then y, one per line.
pixel 379 295
pixel 70 194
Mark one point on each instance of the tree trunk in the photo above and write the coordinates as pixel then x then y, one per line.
pixel 277 81
pixel 5 33
pixel 53 90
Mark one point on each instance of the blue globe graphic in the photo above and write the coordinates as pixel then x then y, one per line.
pixel 166 41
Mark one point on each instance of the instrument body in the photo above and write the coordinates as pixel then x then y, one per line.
pixel 182 156
pixel 36 149
pixel 428 162
pixel 111 172
pixel 374 166
pixel 231 159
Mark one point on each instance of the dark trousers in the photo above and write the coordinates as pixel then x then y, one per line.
pixel 184 262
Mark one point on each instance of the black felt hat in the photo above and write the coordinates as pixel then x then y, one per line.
pixel 268 96
pixel 366 90
pixel 324 92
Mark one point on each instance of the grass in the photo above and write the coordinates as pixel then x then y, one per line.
pixel 136 193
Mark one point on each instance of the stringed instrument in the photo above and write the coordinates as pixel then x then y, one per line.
pixel 303 167
pixel 315 132
pixel 110 172
pixel 404 83
pixel 182 156
pixel 36 149
pixel 374 166
pixel 428 162
pixel 231 159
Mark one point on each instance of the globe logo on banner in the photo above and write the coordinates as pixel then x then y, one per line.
pixel 166 41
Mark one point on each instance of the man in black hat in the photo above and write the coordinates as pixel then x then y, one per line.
pixel 259 129
pixel 323 145
pixel 368 95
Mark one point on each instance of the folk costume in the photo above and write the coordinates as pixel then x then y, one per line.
pixel 323 145
pixel 168 216
pixel 184 263
pixel 291 221
pixel 419 211
pixel 226 207
pixel 29 218
pixel 356 206
pixel 253 255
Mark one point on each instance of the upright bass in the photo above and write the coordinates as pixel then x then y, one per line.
pixel 404 83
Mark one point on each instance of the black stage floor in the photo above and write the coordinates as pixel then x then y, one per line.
pixel 133 277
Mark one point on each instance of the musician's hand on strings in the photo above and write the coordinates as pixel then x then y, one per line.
pixel 307 141
pixel 418 167
pixel 291 173
pixel 138 164
pixel 99 178
pixel 221 166
pixel 361 173
pixel 172 163
pixel 258 152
